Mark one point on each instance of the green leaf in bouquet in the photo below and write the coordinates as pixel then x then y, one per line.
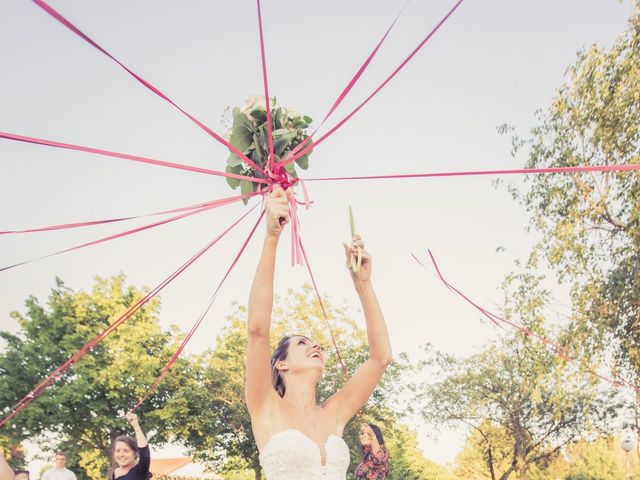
pixel 234 182
pixel 307 119
pixel 259 158
pixel 277 118
pixel 260 152
pixel 247 186
pixel 234 160
pixel 241 132
pixel 235 111
pixel 307 142
pixel 281 143
pixel 299 123
pixel 303 161
pixel 291 168
pixel 259 114
pixel 264 138
pixel 279 132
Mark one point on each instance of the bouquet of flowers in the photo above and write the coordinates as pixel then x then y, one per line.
pixel 249 134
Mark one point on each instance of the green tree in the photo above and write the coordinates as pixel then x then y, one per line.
pixel 487 447
pixel 590 222
pixel 83 410
pixel 595 460
pixel 220 432
pixel 600 458
pixel 521 400
pixel 407 460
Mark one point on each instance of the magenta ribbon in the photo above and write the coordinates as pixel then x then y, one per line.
pixel 275 174
pixel 375 92
pixel 324 312
pixel 124 156
pixel 209 206
pixel 348 88
pixel 53 377
pixel 42 4
pixel 266 87
pixel 560 350
pixel 515 171
pixel 198 322
pixel 90 223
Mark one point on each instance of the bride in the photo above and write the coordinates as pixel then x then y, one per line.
pixel 297 438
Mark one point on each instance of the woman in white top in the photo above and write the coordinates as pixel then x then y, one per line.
pixel 298 439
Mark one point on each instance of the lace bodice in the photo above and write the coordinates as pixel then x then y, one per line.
pixel 291 455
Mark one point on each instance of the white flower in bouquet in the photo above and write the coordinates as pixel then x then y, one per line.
pixel 252 102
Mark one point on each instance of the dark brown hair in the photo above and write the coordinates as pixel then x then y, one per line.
pixel 378 433
pixel 279 354
pixel 131 443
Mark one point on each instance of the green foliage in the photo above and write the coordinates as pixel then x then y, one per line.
pixel 486 448
pixel 590 222
pixel 249 134
pixel 220 433
pixel 521 400
pixel 83 410
pixel 594 461
pixel 407 460
pixel 200 404
pixel 13 453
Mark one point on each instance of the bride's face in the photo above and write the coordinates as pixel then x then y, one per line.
pixel 303 354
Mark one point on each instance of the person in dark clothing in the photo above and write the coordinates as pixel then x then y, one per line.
pixel 131 458
pixel 375 458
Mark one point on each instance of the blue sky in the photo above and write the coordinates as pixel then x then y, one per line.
pixel 492 63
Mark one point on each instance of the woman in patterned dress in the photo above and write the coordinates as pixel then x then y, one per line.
pixel 375 458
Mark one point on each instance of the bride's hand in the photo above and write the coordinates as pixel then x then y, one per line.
pixel 362 275
pixel 277 211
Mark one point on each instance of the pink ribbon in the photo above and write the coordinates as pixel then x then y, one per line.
pixel 560 350
pixel 515 171
pixel 196 325
pixel 90 223
pixel 266 87
pixel 42 4
pixel 51 379
pixel 324 312
pixel 347 89
pixel 124 156
pixel 380 87
pixel 211 205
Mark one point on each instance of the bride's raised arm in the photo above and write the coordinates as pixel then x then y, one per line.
pixel 258 382
pixel 361 385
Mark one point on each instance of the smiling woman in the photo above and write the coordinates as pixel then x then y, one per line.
pixel 375 458
pixel 131 458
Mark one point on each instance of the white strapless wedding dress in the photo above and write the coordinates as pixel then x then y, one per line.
pixel 291 455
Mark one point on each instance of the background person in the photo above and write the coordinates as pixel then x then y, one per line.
pixel 59 471
pixel 375 458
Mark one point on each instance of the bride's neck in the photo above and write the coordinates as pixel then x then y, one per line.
pixel 301 394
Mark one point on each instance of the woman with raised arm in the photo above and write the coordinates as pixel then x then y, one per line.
pixel 297 438
pixel 131 458
pixel 375 458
